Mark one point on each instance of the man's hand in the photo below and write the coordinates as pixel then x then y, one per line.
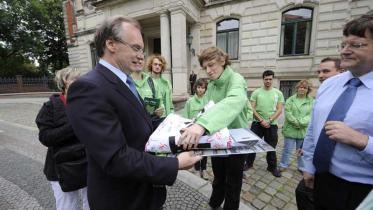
pixel 265 124
pixel 308 179
pixel 187 160
pixel 191 136
pixel 340 132
pixel 159 111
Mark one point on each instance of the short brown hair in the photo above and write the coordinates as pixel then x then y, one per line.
pixel 337 62
pixel 306 83
pixel 212 53
pixel 111 29
pixel 200 82
pixel 359 26
pixel 149 64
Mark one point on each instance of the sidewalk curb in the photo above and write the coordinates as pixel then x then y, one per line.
pixel 202 186
pixel 27 94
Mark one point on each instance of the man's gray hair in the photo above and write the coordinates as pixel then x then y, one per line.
pixel 111 29
pixel 64 75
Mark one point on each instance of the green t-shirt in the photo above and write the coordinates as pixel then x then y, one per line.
pixel 266 102
pixel 166 94
pixel 193 106
pixel 146 93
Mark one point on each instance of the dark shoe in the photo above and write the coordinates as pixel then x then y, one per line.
pixel 247 167
pixel 275 172
pixel 203 175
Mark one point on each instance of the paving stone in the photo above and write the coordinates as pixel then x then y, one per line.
pixel 258 204
pixel 287 175
pixel 278 203
pixel 255 190
pixel 260 184
pixel 245 187
pixel 270 191
pixel 269 207
pixel 283 197
pixel 247 196
pixel 290 206
pixel 276 185
pixel 264 197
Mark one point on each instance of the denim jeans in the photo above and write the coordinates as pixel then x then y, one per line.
pixel 288 148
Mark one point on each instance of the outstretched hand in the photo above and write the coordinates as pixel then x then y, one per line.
pixel 187 160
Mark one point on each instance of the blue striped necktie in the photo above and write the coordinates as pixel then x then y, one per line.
pixel 325 146
pixel 132 87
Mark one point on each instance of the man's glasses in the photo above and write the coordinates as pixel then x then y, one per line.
pixel 136 48
pixel 158 64
pixel 351 46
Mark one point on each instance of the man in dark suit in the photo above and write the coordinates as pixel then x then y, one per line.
pixel 108 116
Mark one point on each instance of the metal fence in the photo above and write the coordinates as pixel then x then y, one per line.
pixel 20 84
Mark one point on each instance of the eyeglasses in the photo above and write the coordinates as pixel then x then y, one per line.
pixel 351 46
pixel 136 48
pixel 158 64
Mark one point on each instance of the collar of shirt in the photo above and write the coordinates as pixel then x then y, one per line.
pixel 223 77
pixel 122 76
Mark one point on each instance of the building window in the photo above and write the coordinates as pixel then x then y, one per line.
pixel 296 32
pixel 288 87
pixel 227 36
pixel 94 57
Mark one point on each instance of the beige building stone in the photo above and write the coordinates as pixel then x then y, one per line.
pixel 167 24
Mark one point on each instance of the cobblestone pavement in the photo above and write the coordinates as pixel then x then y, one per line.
pixel 23 185
pixel 261 190
pixel 22 182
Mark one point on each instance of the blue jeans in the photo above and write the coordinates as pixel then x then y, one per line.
pixel 288 148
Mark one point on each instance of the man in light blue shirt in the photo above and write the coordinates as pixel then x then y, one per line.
pixel 350 175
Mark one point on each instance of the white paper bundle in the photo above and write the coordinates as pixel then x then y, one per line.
pixel 159 141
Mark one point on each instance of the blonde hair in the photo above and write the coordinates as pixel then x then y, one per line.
pixel 149 64
pixel 306 83
pixel 212 53
pixel 64 75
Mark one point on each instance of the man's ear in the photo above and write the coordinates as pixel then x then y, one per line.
pixel 110 45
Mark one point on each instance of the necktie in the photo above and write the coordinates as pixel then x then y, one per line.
pixel 325 146
pixel 133 88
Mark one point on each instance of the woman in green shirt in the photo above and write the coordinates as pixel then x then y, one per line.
pixel 192 107
pixel 227 89
pixel 156 66
pixel 298 109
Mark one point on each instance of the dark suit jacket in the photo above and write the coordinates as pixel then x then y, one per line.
pixel 114 127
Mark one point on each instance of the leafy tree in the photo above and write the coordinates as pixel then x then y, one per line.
pixel 31 31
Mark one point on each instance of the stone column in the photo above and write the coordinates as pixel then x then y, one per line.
pixel 179 53
pixel 165 39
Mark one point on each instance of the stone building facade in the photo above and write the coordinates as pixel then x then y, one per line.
pixel 289 37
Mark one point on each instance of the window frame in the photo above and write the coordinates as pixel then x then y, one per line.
pixel 307 46
pixel 227 31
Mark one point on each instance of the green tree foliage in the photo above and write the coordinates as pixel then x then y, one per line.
pixel 32 31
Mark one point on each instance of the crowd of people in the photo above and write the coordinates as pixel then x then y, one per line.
pixel 97 127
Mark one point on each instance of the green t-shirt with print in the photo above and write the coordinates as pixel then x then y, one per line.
pixel 266 102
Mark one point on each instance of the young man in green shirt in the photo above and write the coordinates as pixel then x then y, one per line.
pixel 156 66
pixel 227 89
pixel 267 103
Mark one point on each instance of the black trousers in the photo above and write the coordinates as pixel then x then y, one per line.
pixel 334 193
pixel 271 137
pixel 201 165
pixel 304 196
pixel 228 173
